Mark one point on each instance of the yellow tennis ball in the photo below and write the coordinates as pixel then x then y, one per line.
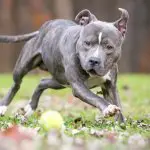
pixel 51 120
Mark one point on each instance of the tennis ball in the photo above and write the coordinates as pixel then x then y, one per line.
pixel 51 120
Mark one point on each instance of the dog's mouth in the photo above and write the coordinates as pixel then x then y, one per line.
pixel 92 72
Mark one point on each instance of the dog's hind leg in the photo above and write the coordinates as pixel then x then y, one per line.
pixel 7 99
pixel 11 93
pixel 43 85
pixel 21 69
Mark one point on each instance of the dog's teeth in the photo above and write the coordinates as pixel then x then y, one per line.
pixel 3 109
pixel 28 110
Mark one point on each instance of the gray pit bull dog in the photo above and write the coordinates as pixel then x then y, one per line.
pixel 80 54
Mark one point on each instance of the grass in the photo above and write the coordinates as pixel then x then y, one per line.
pixel 83 121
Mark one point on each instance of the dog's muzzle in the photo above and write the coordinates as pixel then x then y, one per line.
pixel 95 66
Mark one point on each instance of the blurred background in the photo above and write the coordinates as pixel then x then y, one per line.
pixel 84 125
pixel 24 16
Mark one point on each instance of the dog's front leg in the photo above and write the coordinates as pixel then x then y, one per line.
pixel 84 94
pixel 110 93
pixel 116 101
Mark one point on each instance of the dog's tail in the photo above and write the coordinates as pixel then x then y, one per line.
pixel 17 38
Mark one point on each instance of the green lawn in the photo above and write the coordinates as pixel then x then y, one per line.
pixel 83 122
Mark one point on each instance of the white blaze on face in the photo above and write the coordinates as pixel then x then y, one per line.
pixel 100 37
pixel 96 53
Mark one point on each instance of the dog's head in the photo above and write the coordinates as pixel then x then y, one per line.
pixel 99 44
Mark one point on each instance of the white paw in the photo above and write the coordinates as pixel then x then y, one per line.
pixel 111 110
pixel 3 109
pixel 28 110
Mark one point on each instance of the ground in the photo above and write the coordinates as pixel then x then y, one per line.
pixel 84 127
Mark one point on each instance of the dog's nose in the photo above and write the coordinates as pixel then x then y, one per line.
pixel 94 61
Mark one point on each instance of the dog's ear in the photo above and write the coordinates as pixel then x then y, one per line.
pixel 84 17
pixel 121 24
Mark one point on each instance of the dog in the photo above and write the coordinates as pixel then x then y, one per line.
pixel 80 54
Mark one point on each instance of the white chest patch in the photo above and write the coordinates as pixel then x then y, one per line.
pixel 97 81
pixel 107 76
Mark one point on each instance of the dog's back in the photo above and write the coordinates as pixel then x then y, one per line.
pixel 44 44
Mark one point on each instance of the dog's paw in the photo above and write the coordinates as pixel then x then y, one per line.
pixel 3 109
pixel 28 110
pixel 111 110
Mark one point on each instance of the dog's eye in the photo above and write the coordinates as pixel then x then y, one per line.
pixel 105 43
pixel 109 47
pixel 87 43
